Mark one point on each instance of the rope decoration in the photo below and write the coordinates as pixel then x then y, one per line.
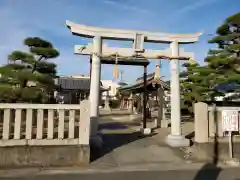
pixel 115 68
pixel 96 54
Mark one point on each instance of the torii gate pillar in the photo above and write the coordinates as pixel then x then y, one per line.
pixel 175 139
pixel 95 85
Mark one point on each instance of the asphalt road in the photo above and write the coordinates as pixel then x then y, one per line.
pixel 209 174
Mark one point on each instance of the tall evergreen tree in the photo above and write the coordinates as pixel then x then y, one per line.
pixel 224 61
pixel 222 68
pixel 28 76
pixel 190 84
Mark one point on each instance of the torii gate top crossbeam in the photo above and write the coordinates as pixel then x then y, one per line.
pixel 108 33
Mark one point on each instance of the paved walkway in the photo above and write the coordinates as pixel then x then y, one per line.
pixel 124 144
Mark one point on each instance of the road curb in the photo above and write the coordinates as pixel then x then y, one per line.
pixel 105 169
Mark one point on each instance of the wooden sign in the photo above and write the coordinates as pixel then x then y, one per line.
pixel 230 120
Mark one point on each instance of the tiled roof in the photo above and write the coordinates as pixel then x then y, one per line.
pixel 74 83
pixel 148 76
pixel 139 84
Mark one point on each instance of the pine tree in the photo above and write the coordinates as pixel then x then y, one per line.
pixel 28 76
pixel 223 63
pixel 191 85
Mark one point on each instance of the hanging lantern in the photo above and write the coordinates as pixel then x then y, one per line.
pixel 157 71
pixel 157 74
pixel 115 68
pixel 130 97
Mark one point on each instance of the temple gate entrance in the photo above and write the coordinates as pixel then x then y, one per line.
pixel 101 53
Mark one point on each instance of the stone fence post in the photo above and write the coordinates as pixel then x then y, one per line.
pixel 84 124
pixel 201 122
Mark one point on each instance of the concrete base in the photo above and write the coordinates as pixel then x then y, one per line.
pixel 177 141
pixel 134 110
pixel 130 110
pixel 206 151
pixel 161 123
pixel 136 117
pixel 232 162
pixel 132 117
pixel 164 123
pixel 157 123
pixel 107 107
pixel 146 131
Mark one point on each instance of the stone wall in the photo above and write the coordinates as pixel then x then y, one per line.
pixel 210 141
pixel 208 151
pixel 208 121
pixel 44 156
pixel 45 134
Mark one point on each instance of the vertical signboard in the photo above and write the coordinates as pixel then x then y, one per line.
pixel 230 124
pixel 230 120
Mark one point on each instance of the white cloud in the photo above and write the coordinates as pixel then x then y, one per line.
pixel 196 5
pixel 126 7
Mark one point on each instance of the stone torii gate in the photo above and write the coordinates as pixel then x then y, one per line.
pixel 100 52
